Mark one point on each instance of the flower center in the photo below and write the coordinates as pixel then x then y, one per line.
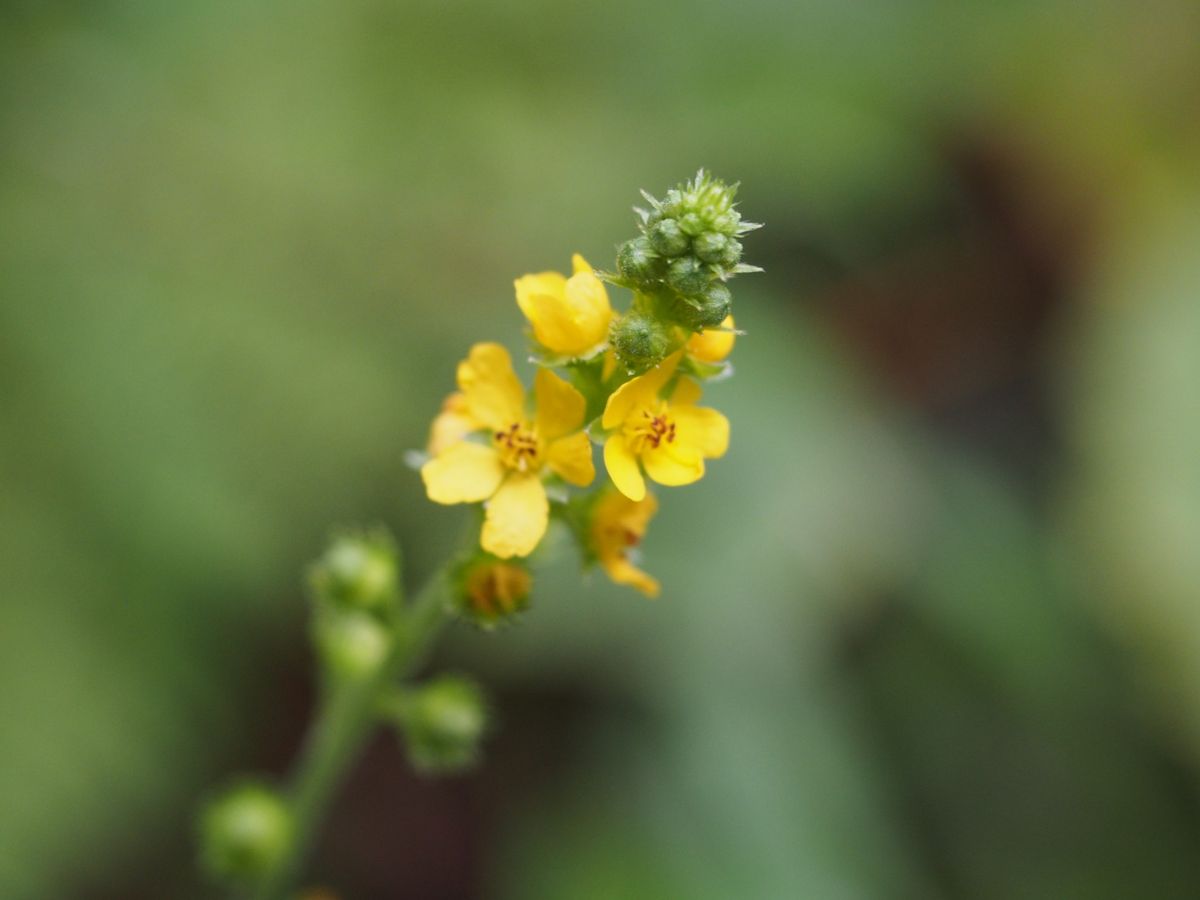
pixel 649 429
pixel 518 446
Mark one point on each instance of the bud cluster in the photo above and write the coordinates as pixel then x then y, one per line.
pixel 679 267
pixel 356 594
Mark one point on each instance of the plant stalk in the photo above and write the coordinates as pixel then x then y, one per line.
pixel 346 718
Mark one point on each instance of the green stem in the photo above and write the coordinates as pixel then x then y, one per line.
pixel 345 720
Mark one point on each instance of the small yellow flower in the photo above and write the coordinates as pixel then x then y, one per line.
pixel 570 316
pixel 508 470
pixel 713 344
pixel 669 438
pixel 618 524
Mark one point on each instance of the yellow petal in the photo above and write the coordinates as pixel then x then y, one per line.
pixel 638 392
pixel 571 458
pixel 463 473
pixel 589 309
pixel 622 571
pixel 686 393
pixel 579 264
pixel 714 344
pixel 559 406
pixel 618 524
pixel 516 517
pixel 673 465
pixel 551 320
pixel 636 516
pixel 623 468
pixel 701 428
pixel 450 425
pixel 545 284
pixel 495 397
pixel 609 366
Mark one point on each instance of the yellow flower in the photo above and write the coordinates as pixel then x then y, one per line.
pixel 713 344
pixel 507 471
pixel 669 438
pixel 619 524
pixel 569 316
pixel 451 425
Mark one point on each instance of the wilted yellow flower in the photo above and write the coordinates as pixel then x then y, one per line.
pixel 669 438
pixel 569 316
pixel 494 590
pixel 712 345
pixel 507 471
pixel 619 524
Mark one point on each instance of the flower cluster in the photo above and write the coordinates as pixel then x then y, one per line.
pixel 629 382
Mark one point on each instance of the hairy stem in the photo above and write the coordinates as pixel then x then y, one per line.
pixel 345 720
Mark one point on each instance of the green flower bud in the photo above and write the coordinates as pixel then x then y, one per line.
pixel 710 246
pixel 352 644
pixel 707 310
pixel 244 832
pixel 672 206
pixel 732 254
pixel 692 235
pixel 692 223
pixel 358 570
pixel 443 723
pixel 668 238
pixel 687 276
pixel 639 341
pixel 637 261
pixel 726 223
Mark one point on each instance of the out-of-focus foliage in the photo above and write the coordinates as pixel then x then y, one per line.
pixel 924 633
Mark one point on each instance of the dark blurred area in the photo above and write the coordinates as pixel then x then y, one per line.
pixel 930 630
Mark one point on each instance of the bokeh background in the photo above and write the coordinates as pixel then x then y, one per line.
pixel 932 628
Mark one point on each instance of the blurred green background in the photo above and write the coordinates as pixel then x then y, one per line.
pixel 932 628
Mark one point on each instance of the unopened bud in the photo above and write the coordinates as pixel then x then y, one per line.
pixel 732 253
pixel 707 310
pixel 244 832
pixel 672 205
pixel 358 570
pixel 668 239
pixel 637 261
pixel 687 275
pixel 639 341
pixel 443 723
pixel 352 644
pixel 715 304
pixel 710 246
pixel 692 223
